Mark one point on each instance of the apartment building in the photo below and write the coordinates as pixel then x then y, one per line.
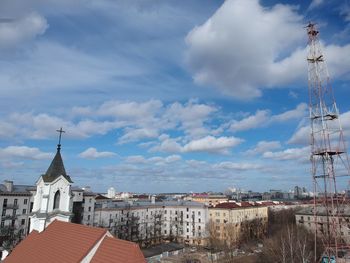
pixel 15 206
pixel 305 217
pixel 226 219
pixel 151 222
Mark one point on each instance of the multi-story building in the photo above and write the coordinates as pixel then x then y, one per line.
pixel 226 219
pixel 151 222
pixel 15 206
pixel 305 217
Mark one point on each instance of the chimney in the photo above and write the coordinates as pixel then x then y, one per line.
pixel 9 185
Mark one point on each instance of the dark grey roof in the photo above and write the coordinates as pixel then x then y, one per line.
pixel 17 189
pixel 159 249
pixel 56 169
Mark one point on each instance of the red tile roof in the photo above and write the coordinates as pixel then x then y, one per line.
pixel 227 205
pixel 59 242
pixel 114 250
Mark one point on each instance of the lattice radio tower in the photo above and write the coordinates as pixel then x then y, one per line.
pixel 328 155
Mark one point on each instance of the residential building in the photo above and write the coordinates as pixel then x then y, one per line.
pixel 305 217
pixel 15 206
pixel 151 222
pixel 226 219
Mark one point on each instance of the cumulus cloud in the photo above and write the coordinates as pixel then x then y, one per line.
pixel 42 126
pixel 264 146
pixel 253 121
pixel 212 144
pixel 299 112
pixel 92 153
pixel 224 54
pixel 17 30
pixel 301 154
pixel 264 118
pixel 157 160
pixel 24 152
pixel 209 144
pixel 241 166
pixel 191 117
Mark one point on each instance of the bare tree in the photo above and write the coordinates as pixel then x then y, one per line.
pixel 290 245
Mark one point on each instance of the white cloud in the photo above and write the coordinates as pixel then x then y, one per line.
pixel 15 31
pixel 301 154
pixel 24 152
pixel 301 136
pixel 131 135
pixel 225 54
pixel 191 117
pixel 92 153
pixel 260 118
pixel 264 146
pixel 264 118
pixel 156 160
pixel 315 3
pixel 41 126
pixel 209 144
pixel 242 166
pixel 212 144
pixel 299 112
pixel 167 144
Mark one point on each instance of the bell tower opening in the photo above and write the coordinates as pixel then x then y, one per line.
pixel 56 200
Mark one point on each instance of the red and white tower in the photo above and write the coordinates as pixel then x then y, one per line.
pixel 328 155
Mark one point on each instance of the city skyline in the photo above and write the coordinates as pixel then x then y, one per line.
pixel 164 97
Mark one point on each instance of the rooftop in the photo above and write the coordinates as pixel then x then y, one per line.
pixel 68 242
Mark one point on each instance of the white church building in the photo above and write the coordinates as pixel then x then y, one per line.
pixel 53 198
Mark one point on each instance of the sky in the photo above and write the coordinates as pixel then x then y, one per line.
pixel 165 96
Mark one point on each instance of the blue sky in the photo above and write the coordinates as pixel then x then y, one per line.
pixel 165 96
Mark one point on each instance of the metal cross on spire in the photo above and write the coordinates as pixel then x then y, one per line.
pixel 59 138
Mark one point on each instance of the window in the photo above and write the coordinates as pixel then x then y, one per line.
pixel 56 200
pixel 187 216
pixel 188 230
pixel 88 217
pixel 25 201
pixel 199 227
pixel 23 222
pixel 199 213
pixel 3 212
pixel 187 209
pixel 2 223
pixel 5 203
pixel 24 211
pixel 15 201
pixel 89 208
pixel 199 220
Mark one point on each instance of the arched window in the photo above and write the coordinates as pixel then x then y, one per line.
pixel 56 200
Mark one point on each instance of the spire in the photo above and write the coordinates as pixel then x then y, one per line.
pixel 56 167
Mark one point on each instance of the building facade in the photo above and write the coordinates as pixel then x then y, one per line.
pixel 226 220
pixel 151 222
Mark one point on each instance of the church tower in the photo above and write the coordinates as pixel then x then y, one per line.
pixel 53 198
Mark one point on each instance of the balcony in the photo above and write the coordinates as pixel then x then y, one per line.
pixel 7 217
pixel 10 206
